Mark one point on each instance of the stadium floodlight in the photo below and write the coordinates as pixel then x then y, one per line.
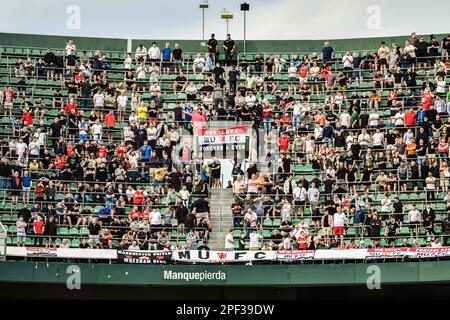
pixel 203 5
pixel 245 7
pixel 226 15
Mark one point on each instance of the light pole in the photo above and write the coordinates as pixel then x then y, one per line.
pixel 203 5
pixel 226 15
pixel 245 7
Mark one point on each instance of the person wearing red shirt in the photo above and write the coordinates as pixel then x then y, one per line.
pixel 70 149
pixel 101 150
pixel 302 241
pixel 286 119
pixel 303 73
pixel 146 213
pixel 122 149
pixel 352 245
pixel 110 122
pixel 284 142
pixel 324 70
pixel 138 197
pixel 410 118
pixel 60 162
pixel 79 77
pixel 392 99
pixel 38 228
pixel 427 99
pixel 71 106
pixel 134 214
pixel 27 117
pixel 267 117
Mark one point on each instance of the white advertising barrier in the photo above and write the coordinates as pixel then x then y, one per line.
pixel 202 256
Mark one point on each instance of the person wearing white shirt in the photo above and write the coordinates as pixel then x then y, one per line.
pixel 399 119
pixel 122 100
pixel 255 240
pixel 99 100
pixel 70 46
pixel 286 211
pixel 21 147
pixel 347 60
pixel 300 195
pixel 34 147
pixel 414 217
pixel 141 54
pixel 339 220
pixel 229 242
pixel 318 132
pixel 155 218
pixel 373 119
pixel 140 72
pixel 313 192
pixel 378 140
pixel 345 118
pixel 250 99
pixel 199 64
pixel 97 129
pixel 127 63
pixel 154 53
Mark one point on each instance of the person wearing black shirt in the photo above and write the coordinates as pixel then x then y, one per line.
pixel 180 83
pixel 392 229
pixel 242 241
pixel 258 63
pixel 233 75
pixel 177 54
pixel 276 238
pixel 421 52
pixel 363 119
pixel 229 46
pixel 218 72
pixel 212 47
pixel 328 185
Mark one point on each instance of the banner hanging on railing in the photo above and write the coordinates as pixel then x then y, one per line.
pixel 221 140
pixel 202 256
pixel 218 257
pixel 143 257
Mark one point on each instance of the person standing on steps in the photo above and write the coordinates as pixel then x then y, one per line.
pixel 229 243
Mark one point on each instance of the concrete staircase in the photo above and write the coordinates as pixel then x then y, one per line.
pixel 220 216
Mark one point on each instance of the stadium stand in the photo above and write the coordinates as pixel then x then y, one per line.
pixel 94 156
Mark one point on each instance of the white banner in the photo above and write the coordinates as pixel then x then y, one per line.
pixel 293 255
pixel 62 253
pixel 419 253
pixel 222 256
pixel 203 256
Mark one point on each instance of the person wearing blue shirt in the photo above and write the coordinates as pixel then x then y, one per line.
pixel 189 108
pixel 328 132
pixel 26 186
pixel 166 58
pixel 104 214
pixel 420 117
pixel 146 151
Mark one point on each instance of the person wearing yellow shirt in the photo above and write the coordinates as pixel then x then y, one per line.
pixel 34 167
pixel 142 112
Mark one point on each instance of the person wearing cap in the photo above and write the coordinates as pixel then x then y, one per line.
pixel 229 46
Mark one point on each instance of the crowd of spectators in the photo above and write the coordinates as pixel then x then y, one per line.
pixel 112 159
